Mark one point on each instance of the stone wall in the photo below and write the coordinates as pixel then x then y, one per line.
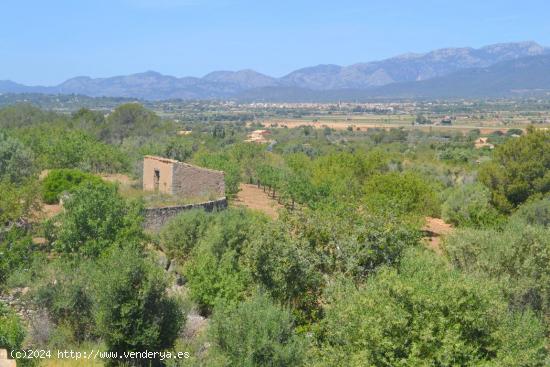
pixel 196 182
pixel 155 218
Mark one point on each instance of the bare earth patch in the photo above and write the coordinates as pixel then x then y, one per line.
pixel 435 228
pixel 254 198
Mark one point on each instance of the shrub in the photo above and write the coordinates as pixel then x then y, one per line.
pixel 180 235
pixel 518 257
pixel 18 202
pixel 255 333
pixel 536 212
pixel 16 161
pixel 12 332
pixel 401 194
pixel 286 269
pixel 214 271
pixel 134 312
pixel 64 289
pixel 469 206
pixel 424 314
pixel 520 168
pixel 60 180
pixel 95 218
pixel 16 252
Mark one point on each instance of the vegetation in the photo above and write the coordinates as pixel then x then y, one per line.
pixel 341 276
pixel 59 181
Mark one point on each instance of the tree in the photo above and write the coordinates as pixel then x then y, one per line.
pixel 95 218
pixel 520 168
pixel 134 312
pixel 255 333
pixel 131 119
pixel 425 314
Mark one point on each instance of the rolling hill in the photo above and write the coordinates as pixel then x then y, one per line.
pixel 495 70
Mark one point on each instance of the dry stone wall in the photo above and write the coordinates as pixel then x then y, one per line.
pixel 155 218
pixel 191 181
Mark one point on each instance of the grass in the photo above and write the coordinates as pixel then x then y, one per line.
pixel 157 199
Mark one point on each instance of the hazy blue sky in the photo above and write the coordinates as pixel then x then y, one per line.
pixel 48 41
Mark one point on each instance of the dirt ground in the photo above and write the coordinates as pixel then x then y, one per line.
pixel 252 197
pixel 435 228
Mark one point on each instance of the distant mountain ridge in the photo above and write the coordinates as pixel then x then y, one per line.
pixel 408 72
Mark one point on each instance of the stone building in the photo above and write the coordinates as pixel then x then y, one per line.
pixel 177 178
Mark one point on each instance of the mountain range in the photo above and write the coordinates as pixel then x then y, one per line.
pixel 499 70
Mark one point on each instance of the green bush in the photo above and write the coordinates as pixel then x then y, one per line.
pixel 214 271
pixel 64 289
pixel 536 212
pixel 517 257
pixel 16 160
pixel 16 252
pixel 12 332
pixel 520 168
pixel 65 179
pixel 424 314
pixel 96 217
pixel 469 206
pixel 286 269
pixel 133 311
pixel 180 235
pixel 401 194
pixel 255 333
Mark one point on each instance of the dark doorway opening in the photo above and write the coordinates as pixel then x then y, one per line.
pixel 156 179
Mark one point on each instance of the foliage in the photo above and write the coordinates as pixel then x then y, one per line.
pixel 518 257
pixel 214 271
pixel 95 218
pixel 65 290
pixel 400 194
pixel 18 203
pixel 58 147
pixel 16 252
pixel 286 269
pixel 65 180
pixel 134 312
pixel 16 161
pixel 255 333
pixel 535 212
pixel 520 168
pixel 130 119
pixel 469 206
pixel 12 331
pixel 180 235
pixel 424 314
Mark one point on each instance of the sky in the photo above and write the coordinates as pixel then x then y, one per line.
pixel 46 42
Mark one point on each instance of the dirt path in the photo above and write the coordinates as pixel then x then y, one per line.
pixel 435 228
pixel 252 197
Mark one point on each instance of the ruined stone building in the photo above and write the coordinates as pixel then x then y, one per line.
pixel 177 178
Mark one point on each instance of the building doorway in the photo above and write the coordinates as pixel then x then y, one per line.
pixel 156 180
